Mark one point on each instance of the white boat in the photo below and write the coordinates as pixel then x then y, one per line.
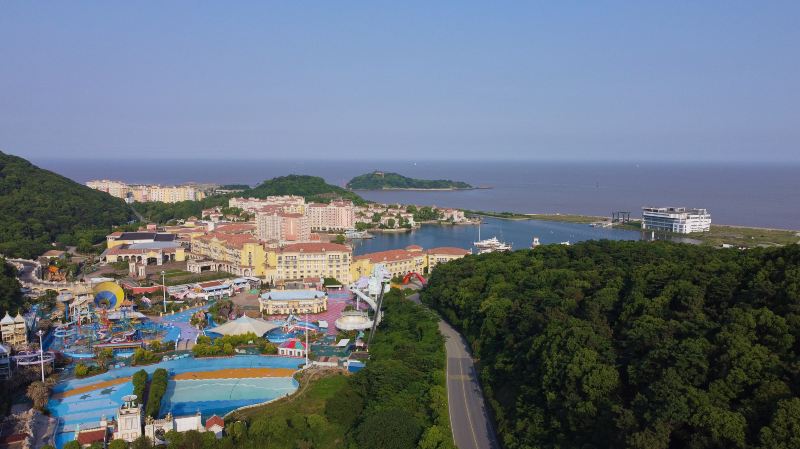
pixel 535 242
pixel 491 245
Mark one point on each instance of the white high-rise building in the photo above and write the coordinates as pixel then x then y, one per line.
pixel 676 219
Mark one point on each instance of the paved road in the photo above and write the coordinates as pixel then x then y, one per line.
pixel 471 423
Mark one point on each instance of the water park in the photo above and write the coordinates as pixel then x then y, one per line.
pixel 104 321
pixel 222 358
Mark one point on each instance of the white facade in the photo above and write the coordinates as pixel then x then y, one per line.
pixel 676 219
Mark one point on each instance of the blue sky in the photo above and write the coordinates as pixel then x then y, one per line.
pixel 470 80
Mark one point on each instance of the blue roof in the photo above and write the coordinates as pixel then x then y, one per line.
pixel 285 295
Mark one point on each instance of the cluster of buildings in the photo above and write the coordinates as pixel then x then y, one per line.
pixel 130 424
pixel 679 220
pixel 148 192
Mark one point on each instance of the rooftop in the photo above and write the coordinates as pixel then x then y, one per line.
pixel 449 250
pixel 314 247
pixel 285 295
pixel 155 236
pixel 391 255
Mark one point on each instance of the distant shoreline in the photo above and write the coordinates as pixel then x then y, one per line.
pixel 420 189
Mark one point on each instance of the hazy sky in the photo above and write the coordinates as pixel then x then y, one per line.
pixel 691 80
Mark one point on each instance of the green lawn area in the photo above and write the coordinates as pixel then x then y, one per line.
pixel 178 277
pixel 749 237
pixel 301 416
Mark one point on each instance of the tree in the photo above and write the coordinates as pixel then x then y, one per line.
pixel 340 239
pixel 39 394
pixel 72 445
pixel 103 356
pixel 143 442
pixel 388 429
pixel 118 444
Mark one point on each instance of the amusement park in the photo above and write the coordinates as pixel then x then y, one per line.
pixel 100 337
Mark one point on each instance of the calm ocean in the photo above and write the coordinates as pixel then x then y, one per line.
pixel 739 194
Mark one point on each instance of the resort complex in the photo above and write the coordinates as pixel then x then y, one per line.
pixel 145 193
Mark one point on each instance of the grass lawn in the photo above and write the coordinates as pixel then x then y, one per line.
pixel 185 277
pixel 749 237
pixel 316 388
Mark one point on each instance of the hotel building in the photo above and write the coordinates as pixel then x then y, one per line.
pixel 239 254
pixel 676 219
pixel 145 193
pixel 400 262
pixel 282 227
pixel 305 260
pixel 334 216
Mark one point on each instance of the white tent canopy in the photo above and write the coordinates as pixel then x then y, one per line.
pixel 244 325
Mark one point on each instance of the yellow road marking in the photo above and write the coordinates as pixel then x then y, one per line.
pixel 466 405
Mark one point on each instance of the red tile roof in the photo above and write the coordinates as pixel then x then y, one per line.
pixel 413 247
pixel 215 420
pixel 314 247
pixel 236 240
pixel 92 436
pixel 449 250
pixel 236 228
pixel 388 256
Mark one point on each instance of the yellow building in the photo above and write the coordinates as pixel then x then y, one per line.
pixel 400 262
pixel 240 254
pixel 445 254
pixel 305 260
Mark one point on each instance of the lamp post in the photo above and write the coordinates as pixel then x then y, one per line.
pixel 164 288
pixel 41 352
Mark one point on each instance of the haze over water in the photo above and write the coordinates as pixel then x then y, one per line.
pixel 740 194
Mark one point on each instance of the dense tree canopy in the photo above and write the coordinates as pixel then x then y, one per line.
pixel 312 188
pixel 40 207
pixel 633 344
pixel 10 295
pixel 386 180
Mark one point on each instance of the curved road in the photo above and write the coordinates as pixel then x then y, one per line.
pixel 472 426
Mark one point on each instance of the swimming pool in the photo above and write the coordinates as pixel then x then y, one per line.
pixel 208 396
pixel 220 396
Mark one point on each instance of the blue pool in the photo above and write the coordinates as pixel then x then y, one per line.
pixel 208 396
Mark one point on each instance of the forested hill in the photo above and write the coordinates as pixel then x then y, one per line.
pixel 633 344
pixel 39 207
pixel 312 188
pixel 383 181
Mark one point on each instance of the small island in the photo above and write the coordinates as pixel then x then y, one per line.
pixel 379 180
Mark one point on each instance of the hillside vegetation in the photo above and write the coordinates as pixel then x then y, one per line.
pixel 384 180
pixel 40 207
pixel 633 344
pixel 10 295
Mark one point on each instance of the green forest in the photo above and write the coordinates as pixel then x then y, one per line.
pixel 632 344
pixel 10 295
pixel 382 180
pixel 40 207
